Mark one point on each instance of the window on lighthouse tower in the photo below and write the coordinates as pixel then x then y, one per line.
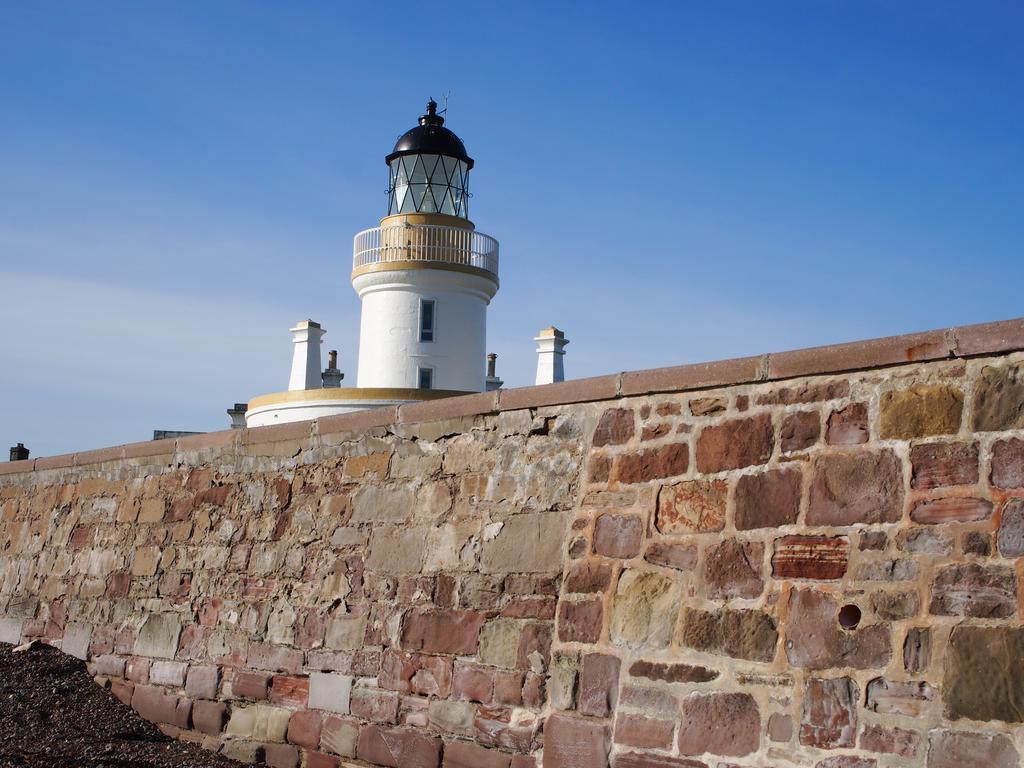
pixel 426 319
pixel 426 378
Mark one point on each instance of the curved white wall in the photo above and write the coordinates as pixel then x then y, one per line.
pixel 390 352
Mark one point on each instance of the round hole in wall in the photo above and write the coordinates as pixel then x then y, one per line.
pixel 849 616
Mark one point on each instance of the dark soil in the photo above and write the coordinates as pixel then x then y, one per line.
pixel 53 715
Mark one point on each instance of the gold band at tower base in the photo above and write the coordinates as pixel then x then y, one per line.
pixel 353 393
pixel 390 266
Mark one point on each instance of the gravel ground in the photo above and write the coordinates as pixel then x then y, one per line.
pixel 52 715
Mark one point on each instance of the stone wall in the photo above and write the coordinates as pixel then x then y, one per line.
pixel 806 560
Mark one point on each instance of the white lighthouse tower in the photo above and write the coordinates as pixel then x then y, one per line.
pixel 424 277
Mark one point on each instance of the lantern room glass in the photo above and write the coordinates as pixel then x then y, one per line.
pixel 428 184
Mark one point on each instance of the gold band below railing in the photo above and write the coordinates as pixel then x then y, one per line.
pixel 361 394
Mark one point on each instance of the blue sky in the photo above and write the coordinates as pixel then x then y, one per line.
pixel 670 183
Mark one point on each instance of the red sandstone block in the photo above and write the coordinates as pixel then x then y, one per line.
pixel 320 760
pixel 54 462
pixel 599 684
pixel 859 355
pixel 223 439
pixel 157 706
pixel 572 742
pixel 99 456
pixel 810 557
pixel 699 376
pixel 304 729
pixel 208 716
pixel 448 408
pixel 149 448
pixel 289 690
pixel 349 422
pixel 398 747
pixel 580 622
pixel 461 754
pixel 574 391
pixel 122 690
pixel 280 755
pixel 640 731
pixel 473 682
pixel 14 467
pixel 251 685
pixel 989 338
pixel 375 705
pixel 274 658
pixel 433 631
pixel 296 430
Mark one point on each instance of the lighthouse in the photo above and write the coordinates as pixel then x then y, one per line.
pixel 424 277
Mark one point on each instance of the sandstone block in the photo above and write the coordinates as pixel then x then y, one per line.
pixel 580 622
pixel 960 749
pixel 748 635
pixel 814 639
pixel 527 543
pixel 462 754
pixel 726 724
pixel 810 557
pixel 733 569
pixel 895 606
pixel 499 643
pixel 436 631
pixel 329 691
pixel 416 673
pixel 251 685
pixel 654 760
pixel 398 747
pixel 682 557
pixel 1008 463
pixel 917 648
pixel 474 683
pixel 890 740
pixel 208 716
pixel 158 706
pixel 888 697
pixel 800 430
pixel 289 690
pixel 170 673
pixel 374 705
pixel 780 727
pixel 599 684
pixel 938 465
pixel 708 406
pixel 768 500
pixel 848 426
pixel 202 681
pixel 397 549
pixel 382 504
pixel 692 506
pixel 280 756
pixel 618 536
pixel 339 736
pixel 259 722
pixel 847 761
pixel 974 590
pixel 829 713
pixel 921 411
pixel 851 488
pixel 158 636
pixel 452 716
pixel 274 658
pixel 652 463
pixel 672 673
pixel 614 428
pixel 735 444
pixel 588 576
pixel 644 609
pixel 345 633
pixel 953 509
pixel 304 729
pixel 640 731
pixel 984 677
pixel 926 541
pixel 999 398
pixel 1010 538
pixel 571 742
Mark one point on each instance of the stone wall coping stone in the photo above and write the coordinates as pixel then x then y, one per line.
pixel 952 343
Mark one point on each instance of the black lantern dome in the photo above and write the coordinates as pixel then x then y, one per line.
pixel 429 170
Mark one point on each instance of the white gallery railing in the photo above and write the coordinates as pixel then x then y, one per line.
pixel 425 242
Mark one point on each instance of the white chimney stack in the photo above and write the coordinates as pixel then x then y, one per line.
pixel 550 351
pixel 306 336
